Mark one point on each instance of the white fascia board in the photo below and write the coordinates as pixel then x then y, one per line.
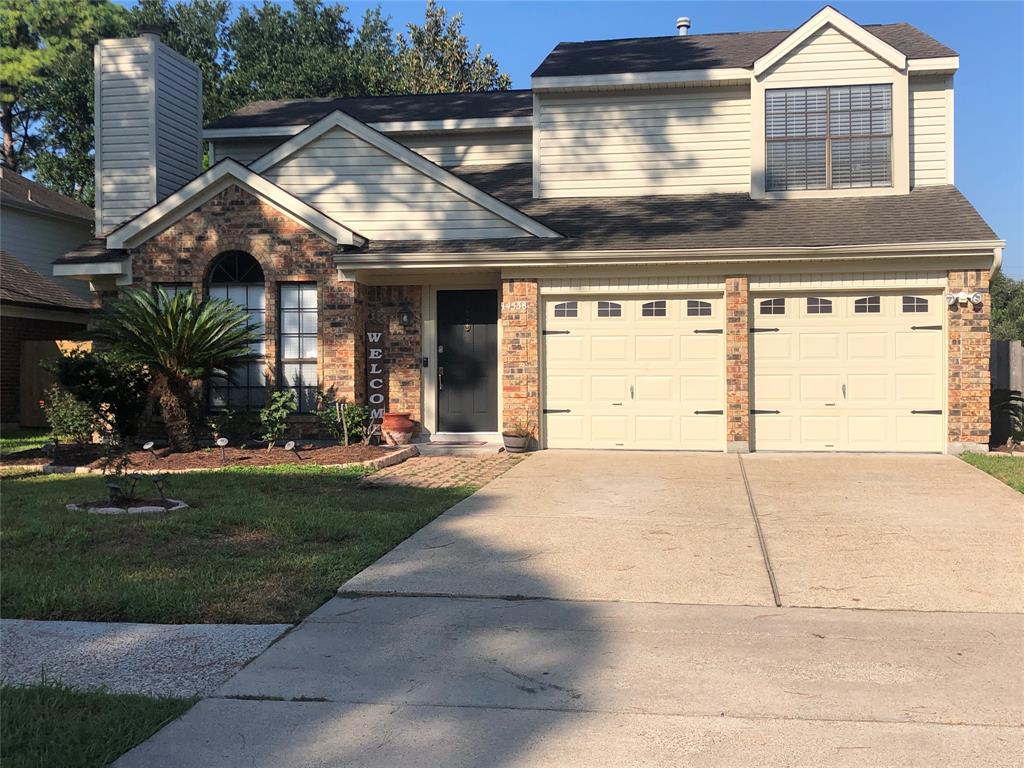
pixel 393 126
pixel 400 152
pixel 253 133
pixel 937 65
pixel 205 186
pixel 625 79
pixel 88 269
pixel 378 260
pixel 829 16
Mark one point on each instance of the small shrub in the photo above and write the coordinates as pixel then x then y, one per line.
pixel 1008 411
pixel 116 392
pixel 342 421
pixel 274 417
pixel 70 420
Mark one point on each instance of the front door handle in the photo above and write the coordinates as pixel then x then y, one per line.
pixel 440 377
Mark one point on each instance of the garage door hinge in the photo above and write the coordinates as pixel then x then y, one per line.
pixel 762 410
pixel 709 330
pixel 554 333
pixel 709 413
pixel 932 412
pixel 764 330
pixel 557 410
pixel 926 327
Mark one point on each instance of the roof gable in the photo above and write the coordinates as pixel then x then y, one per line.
pixel 390 192
pixel 829 17
pixel 172 208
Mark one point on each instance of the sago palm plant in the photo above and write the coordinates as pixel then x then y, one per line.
pixel 181 340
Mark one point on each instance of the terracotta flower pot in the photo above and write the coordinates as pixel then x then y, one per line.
pixel 398 427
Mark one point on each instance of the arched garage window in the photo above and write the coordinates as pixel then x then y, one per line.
pixel 238 277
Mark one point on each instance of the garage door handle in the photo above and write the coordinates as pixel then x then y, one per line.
pixel 931 412
pixel 761 410
pixel 926 327
pixel 708 330
pixel 616 403
pixel 710 413
pixel 763 330
pixel 557 410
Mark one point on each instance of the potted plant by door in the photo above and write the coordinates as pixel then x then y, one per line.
pixel 398 428
pixel 517 437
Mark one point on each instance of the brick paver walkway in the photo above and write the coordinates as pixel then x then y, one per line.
pixel 444 471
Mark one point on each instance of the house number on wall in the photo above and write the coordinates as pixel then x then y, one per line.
pixel 514 306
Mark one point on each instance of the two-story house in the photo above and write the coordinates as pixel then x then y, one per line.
pixel 746 241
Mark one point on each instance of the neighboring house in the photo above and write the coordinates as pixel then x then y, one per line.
pixel 711 242
pixel 37 225
pixel 35 313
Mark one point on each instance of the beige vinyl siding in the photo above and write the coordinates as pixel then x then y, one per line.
pixel 686 141
pixel 37 241
pixel 125 123
pixel 828 56
pixel 380 197
pixel 179 119
pixel 930 126
pixel 471 148
pixel 149 127
pixel 244 150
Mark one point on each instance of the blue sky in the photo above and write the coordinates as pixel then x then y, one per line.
pixel 989 36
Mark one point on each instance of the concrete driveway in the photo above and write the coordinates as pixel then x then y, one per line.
pixel 657 641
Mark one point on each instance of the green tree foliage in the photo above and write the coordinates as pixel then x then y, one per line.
pixel 308 49
pixel 1007 307
pixel 181 342
pixel 116 391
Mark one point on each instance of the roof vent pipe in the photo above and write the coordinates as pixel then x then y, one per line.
pixel 683 25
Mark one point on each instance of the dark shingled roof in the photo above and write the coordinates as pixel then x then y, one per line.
pixel 19 192
pixel 926 215
pixel 680 52
pixel 379 109
pixel 91 252
pixel 24 286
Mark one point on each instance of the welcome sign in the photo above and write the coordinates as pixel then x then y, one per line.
pixel 376 382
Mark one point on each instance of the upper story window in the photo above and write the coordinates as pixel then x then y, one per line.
pixel 566 309
pixel 654 309
pixel 828 138
pixel 609 309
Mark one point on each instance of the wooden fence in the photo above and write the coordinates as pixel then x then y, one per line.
pixel 1007 368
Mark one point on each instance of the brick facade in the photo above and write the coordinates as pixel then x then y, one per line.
pixel 737 363
pixel 13 331
pixel 288 252
pixel 967 362
pixel 520 354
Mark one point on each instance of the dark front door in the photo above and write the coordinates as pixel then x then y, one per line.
pixel 467 361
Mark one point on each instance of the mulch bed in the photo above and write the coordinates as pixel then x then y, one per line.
pixel 68 456
pixel 211 458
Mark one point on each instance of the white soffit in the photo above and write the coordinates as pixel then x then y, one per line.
pixel 829 16
pixel 403 154
pixel 216 179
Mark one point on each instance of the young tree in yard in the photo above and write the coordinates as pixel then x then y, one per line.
pixel 181 341
pixel 1007 307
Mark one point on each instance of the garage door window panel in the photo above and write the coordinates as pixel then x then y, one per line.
pixel 697 308
pixel 868 305
pixel 657 308
pixel 609 309
pixel 772 307
pixel 566 309
pixel 819 306
pixel 914 304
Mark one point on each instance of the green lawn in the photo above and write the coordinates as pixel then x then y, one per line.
pixel 48 725
pixel 1009 469
pixel 18 439
pixel 258 545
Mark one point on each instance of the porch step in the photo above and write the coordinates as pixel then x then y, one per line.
pixel 459 448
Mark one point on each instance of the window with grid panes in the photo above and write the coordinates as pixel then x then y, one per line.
pixel 298 343
pixel 828 138
pixel 237 277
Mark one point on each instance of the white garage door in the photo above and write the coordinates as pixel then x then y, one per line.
pixel 634 372
pixel 857 372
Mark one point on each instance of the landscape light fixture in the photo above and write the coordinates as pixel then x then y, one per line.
pixel 148 446
pixel 222 443
pixel 290 446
